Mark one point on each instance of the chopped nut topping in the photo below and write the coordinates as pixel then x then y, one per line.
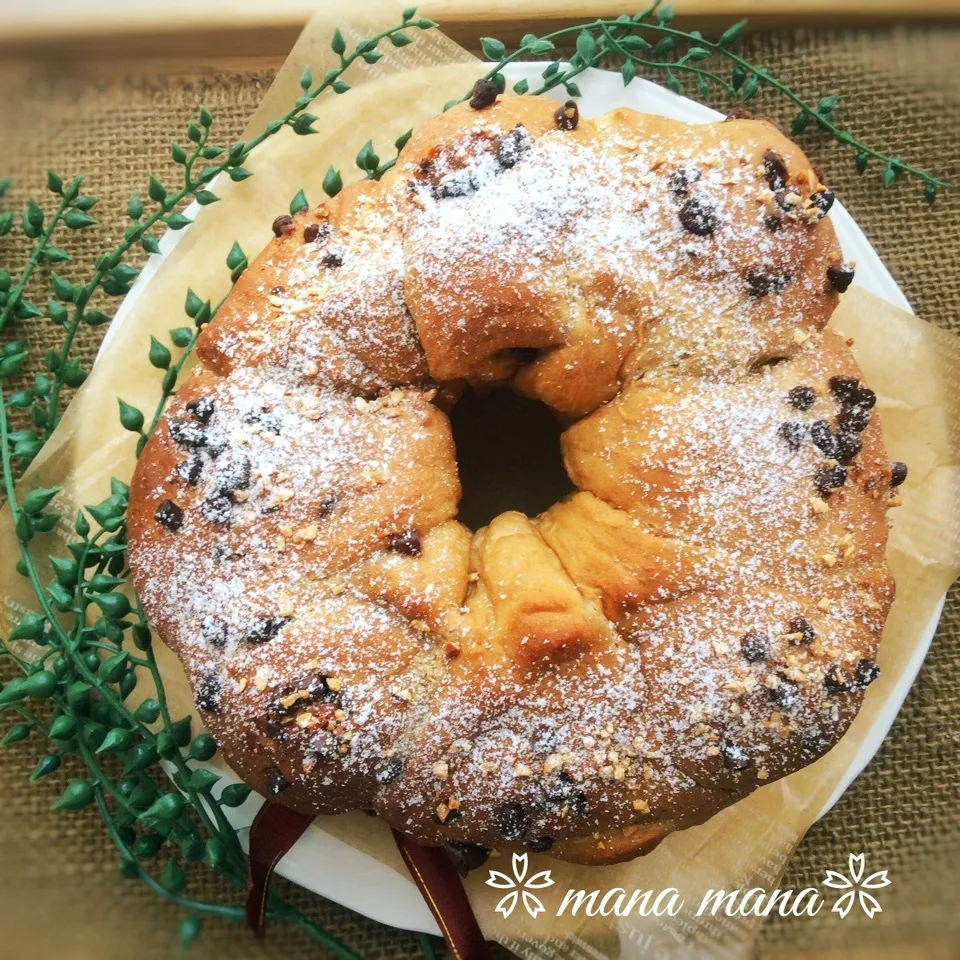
pixel 441 769
pixel 641 806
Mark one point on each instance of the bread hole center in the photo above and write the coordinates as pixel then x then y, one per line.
pixel 508 452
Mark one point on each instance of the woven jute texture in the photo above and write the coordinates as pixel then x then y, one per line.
pixel 60 892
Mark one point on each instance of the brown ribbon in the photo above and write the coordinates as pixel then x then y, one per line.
pixel 438 880
pixel 276 829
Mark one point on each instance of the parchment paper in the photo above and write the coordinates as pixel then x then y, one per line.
pixel 913 367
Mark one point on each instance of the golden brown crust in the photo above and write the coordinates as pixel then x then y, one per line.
pixel 700 618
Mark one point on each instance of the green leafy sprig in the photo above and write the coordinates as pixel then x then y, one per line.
pixel 94 642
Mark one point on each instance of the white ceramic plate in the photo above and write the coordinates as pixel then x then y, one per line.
pixel 333 869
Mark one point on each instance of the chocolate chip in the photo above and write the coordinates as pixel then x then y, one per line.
pixel 898 473
pixel 525 355
pixel 794 433
pixel 466 856
pixel 774 170
pixel 679 181
pixel 823 201
pixel 169 515
pixel 836 681
pixel 865 673
pixel 823 438
pixel 738 113
pixel 187 434
pixel 275 781
pixel 214 631
pixel 840 277
pixel 189 470
pixel 760 281
pixel 511 821
pixel 734 757
pixel 234 476
pixel 332 258
pixel 567 795
pixel 281 224
pixel 699 216
pixel 324 745
pixel 264 629
pixel 215 445
pixel 849 446
pixel 540 844
pixel 801 627
pixel 407 543
pixel 785 694
pixel 390 772
pixel 264 419
pixel 485 93
pixel 845 389
pixel 854 419
pixel 326 506
pixel 514 147
pixel 208 695
pixel 216 509
pixel 202 409
pixel 278 291
pixel 459 184
pixel 866 398
pixel 755 646
pixel 802 397
pixel 773 222
pixel 568 116
pixel 316 231
pixel 828 479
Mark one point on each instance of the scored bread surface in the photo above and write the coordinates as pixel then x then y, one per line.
pixel 700 618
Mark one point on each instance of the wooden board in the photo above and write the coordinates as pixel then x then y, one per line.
pixel 128 29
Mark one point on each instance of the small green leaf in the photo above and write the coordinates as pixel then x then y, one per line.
pixel 628 71
pixel 148 711
pixel 54 183
pixel 116 741
pixel 303 123
pixel 47 764
pixel 214 852
pixel 191 927
pixel 63 289
pixel 367 159
pixel 203 747
pixel 181 336
pixel 665 14
pixel 299 202
pixel 150 244
pixel 239 173
pixel 55 255
pixel 160 356
pixel 539 47
pixel 202 779
pixel 696 53
pixel 193 304
pixel 205 117
pixel 889 175
pixel 194 133
pixel 306 79
pixel 800 123
pixel 73 374
pixel 156 190
pixel 166 809
pixel 408 14
pixel 29 627
pixel 18 732
pixel 572 89
pixel 37 500
pixel 400 39
pixel 172 877
pixel 492 48
pixel 930 192
pixel 77 219
pixel 401 141
pixel 177 221
pixel 234 795
pixel 731 34
pixel 664 46
pixel 63 728
pixel 177 153
pixel 337 44
pixel 78 795
pixel 130 417
pixel 114 605
pixel 586 46
pixel 113 668
pixel 521 86
pixel 827 105
pixel 750 88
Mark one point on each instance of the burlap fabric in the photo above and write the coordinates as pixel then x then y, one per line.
pixel 60 892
